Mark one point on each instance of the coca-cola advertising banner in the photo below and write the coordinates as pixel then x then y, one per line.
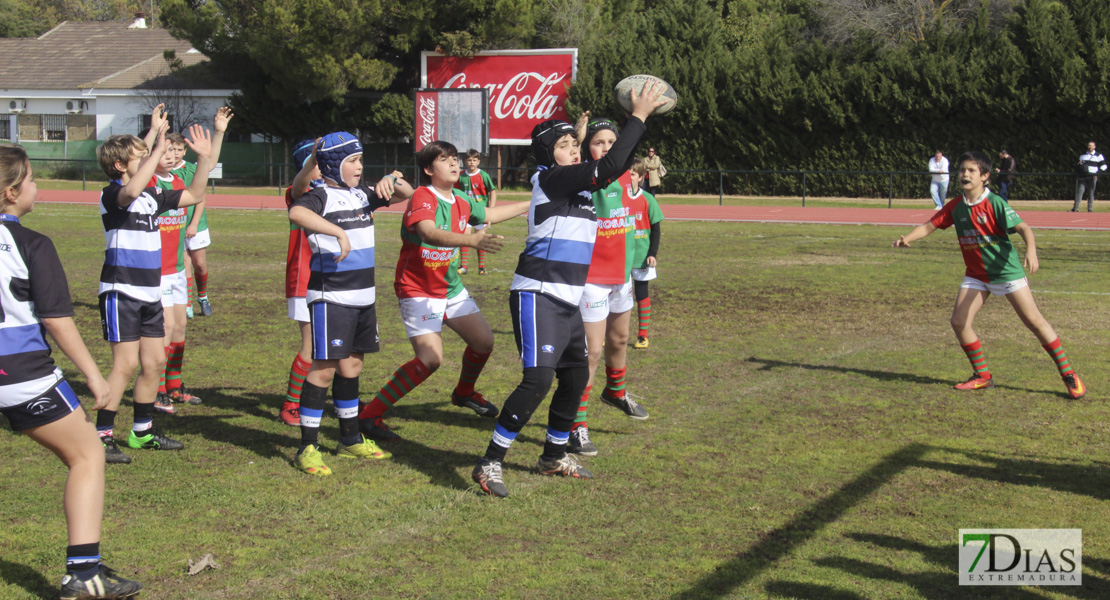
pixel 526 87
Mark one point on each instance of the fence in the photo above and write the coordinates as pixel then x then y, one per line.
pixel 777 183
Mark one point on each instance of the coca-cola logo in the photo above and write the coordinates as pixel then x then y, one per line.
pixel 526 94
pixel 427 119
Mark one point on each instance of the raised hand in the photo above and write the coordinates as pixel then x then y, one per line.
pixel 199 140
pixel 158 117
pixel 645 102
pixel 223 116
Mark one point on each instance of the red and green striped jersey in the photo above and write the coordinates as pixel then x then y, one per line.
pixel 172 225
pixel 478 185
pixel 423 270
pixel 982 229
pixel 186 171
pixel 646 212
pixel 297 257
pixel 612 258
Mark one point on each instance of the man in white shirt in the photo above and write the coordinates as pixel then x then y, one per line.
pixel 938 187
pixel 1091 165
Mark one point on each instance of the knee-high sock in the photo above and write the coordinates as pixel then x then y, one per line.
pixel 463 252
pixel 978 359
pixel 192 290
pixel 1056 351
pixel 614 382
pixel 583 409
pixel 344 394
pixel 472 365
pixel 297 372
pixel 481 259
pixel 564 406
pixel 313 399
pixel 202 284
pixel 404 380
pixel 175 358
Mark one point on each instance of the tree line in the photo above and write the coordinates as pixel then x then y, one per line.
pixel 763 84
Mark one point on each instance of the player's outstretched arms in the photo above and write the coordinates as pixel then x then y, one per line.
pixel 505 212
pixel 915 234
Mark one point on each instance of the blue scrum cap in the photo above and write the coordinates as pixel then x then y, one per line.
pixel 544 137
pixel 302 151
pixel 333 149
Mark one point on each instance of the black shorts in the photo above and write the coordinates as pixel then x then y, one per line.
pixel 549 333
pixel 340 331
pixel 125 319
pixel 52 406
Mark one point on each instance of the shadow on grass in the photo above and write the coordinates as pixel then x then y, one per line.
pixel 943 584
pixel 219 428
pixel 778 543
pixel 27 578
pixel 1087 480
pixel 769 364
pixel 445 413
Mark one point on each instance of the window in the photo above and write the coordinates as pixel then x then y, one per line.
pixel 144 124
pixel 5 128
pixel 54 128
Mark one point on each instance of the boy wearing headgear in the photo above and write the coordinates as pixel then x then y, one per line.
pixel 546 289
pixel 338 220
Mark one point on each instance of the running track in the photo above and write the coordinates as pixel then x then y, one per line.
pixel 679 212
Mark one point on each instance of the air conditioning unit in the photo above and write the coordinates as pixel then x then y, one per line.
pixel 17 106
pixel 76 107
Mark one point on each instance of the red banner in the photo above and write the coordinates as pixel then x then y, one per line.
pixel 426 119
pixel 526 87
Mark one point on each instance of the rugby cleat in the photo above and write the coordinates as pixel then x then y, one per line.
pixel 152 441
pixel 105 584
pixel 205 307
pixel 290 414
pixel 310 461
pixel 112 454
pixel 565 466
pixel 163 404
pixel 376 429
pixel 579 442
pixel 641 342
pixel 1076 389
pixel 487 474
pixel 629 406
pixel 364 449
pixel 976 383
pixel 475 402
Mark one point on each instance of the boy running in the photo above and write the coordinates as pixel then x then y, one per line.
pixel 476 185
pixel 431 291
pixel 983 221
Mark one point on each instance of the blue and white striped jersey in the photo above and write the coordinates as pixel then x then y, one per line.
pixel 351 281
pixel 562 221
pixel 132 242
pixel 32 287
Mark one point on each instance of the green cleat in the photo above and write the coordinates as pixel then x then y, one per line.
pixel 152 441
pixel 364 449
pixel 310 461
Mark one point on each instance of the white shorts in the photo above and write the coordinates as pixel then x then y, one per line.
pixel 175 290
pixel 645 274
pixel 998 289
pixel 600 301
pixel 426 315
pixel 298 309
pixel 201 240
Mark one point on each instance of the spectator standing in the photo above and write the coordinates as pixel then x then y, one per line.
pixel 938 187
pixel 655 171
pixel 1006 167
pixel 1091 165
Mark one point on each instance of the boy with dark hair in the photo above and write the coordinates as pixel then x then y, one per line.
pixel 430 290
pixel 645 243
pixel 546 289
pixel 130 283
pixel 338 219
pixel 477 186
pixel 983 221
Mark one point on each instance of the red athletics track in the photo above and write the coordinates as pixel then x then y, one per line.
pixel 682 212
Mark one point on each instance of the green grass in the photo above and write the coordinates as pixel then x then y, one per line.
pixel 804 439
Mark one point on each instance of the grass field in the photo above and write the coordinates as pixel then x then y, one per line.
pixel 804 439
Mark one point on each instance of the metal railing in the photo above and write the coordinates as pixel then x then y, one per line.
pixel 724 182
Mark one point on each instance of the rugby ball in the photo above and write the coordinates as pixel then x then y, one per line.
pixel 623 92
